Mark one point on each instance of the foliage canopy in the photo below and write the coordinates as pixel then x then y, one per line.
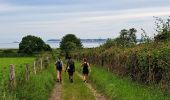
pixel 70 43
pixel 32 44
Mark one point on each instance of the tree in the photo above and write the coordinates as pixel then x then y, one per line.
pixel 109 43
pixel 32 44
pixel 163 29
pixel 47 47
pixel 144 37
pixel 123 39
pixel 70 43
pixel 127 37
pixel 132 35
pixel 124 34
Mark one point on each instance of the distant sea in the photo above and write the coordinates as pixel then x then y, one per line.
pixel 52 44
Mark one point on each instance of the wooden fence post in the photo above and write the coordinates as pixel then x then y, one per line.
pixel 12 76
pixel 150 72
pixel 41 63
pixel 35 72
pixel 47 58
pixel 46 62
pixel 27 72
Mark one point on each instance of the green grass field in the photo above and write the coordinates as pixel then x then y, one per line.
pixel 5 62
pixel 18 62
pixel 4 71
pixel 119 88
pixel 37 87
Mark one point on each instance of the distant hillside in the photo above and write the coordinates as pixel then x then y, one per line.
pixel 82 40
pixel 53 40
pixel 93 40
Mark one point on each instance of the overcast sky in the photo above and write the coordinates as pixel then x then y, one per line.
pixel 52 19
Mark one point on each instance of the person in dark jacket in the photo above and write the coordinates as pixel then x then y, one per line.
pixel 70 68
pixel 86 68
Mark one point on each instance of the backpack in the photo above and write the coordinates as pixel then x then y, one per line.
pixel 59 65
pixel 71 67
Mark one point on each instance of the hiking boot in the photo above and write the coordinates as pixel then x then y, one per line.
pixel 57 80
pixel 60 80
pixel 71 80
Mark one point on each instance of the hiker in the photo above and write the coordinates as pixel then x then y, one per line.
pixel 59 66
pixel 86 68
pixel 70 68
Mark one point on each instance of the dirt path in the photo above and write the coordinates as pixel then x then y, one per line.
pixel 98 96
pixel 56 93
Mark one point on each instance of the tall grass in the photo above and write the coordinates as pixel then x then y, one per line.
pixel 116 87
pixel 39 86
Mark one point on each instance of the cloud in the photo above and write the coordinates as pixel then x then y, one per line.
pixel 36 15
pixel 84 18
pixel 130 14
pixel 5 7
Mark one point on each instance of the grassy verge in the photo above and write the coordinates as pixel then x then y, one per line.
pixel 122 88
pixel 76 90
pixel 38 87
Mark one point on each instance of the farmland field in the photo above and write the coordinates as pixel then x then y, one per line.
pixel 18 62
pixel 4 62
pixel 4 70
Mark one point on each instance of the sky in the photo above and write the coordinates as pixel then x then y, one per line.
pixel 52 19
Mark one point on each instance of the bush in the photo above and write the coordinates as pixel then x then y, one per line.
pixel 145 63
pixel 8 51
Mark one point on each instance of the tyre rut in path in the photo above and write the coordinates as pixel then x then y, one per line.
pixel 56 93
pixel 98 96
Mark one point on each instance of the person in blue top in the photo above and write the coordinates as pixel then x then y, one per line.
pixel 59 67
